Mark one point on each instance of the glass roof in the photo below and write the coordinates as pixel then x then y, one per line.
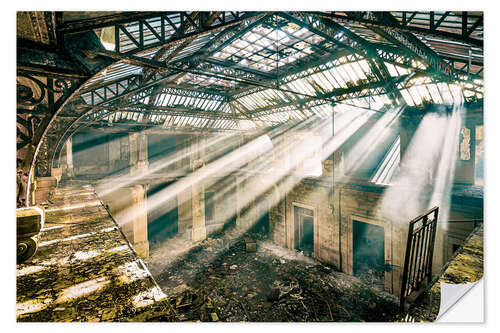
pixel 272 70
pixel 422 91
pixel 272 44
pixel 190 79
pixel 340 74
pixel 199 101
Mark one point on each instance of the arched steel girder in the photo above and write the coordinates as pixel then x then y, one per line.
pixel 132 82
pixel 78 121
pixel 354 39
pixel 353 42
pixel 433 25
pixel 226 19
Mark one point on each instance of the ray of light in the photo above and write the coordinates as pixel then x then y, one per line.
pixel 110 184
pixel 427 167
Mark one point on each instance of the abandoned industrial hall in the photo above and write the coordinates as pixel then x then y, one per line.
pixel 231 166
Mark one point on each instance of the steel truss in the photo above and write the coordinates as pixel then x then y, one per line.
pixel 138 35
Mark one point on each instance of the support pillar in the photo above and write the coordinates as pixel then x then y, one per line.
pixel 129 208
pixel 69 158
pixel 184 212
pixel 199 231
pixel 142 152
pixel 140 223
pixel 114 154
pixel 138 146
pixel 133 151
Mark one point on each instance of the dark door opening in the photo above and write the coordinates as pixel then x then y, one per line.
pixel 304 230
pixel 368 252
pixel 162 221
pixel 262 224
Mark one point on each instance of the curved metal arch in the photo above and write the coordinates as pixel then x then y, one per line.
pixel 74 124
pixel 224 22
pixel 77 123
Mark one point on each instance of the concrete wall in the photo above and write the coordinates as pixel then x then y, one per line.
pixel 465 165
pixel 358 203
pixel 91 154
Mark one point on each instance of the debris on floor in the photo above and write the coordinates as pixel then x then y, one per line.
pixel 220 280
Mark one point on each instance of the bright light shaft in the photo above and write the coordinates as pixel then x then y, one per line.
pixel 112 183
pixel 371 140
pixel 291 154
pixel 220 142
pixel 409 195
pixel 264 177
pixel 220 167
pixel 445 173
pixel 226 165
pixel 344 131
pixel 264 166
pixel 390 164
pixel 235 160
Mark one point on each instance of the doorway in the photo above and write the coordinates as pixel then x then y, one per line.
pixel 368 252
pixel 304 230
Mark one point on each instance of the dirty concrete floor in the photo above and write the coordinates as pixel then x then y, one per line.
pixel 218 280
pixel 84 269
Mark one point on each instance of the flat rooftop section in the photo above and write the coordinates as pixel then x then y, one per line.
pixel 84 269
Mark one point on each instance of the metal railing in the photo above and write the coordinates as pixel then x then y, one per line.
pixel 419 252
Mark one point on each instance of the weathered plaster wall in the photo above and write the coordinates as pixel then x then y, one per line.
pixel 361 203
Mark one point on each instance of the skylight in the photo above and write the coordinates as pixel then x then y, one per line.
pixel 267 47
pixel 204 81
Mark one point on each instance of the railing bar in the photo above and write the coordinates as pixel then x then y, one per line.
pixel 410 273
pixel 428 259
pixel 418 218
pixel 404 281
pixel 433 239
pixel 426 252
pixel 431 230
pixel 427 247
pixel 416 263
pixel 421 247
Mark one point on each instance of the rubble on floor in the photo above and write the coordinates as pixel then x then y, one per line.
pixel 84 269
pixel 219 280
